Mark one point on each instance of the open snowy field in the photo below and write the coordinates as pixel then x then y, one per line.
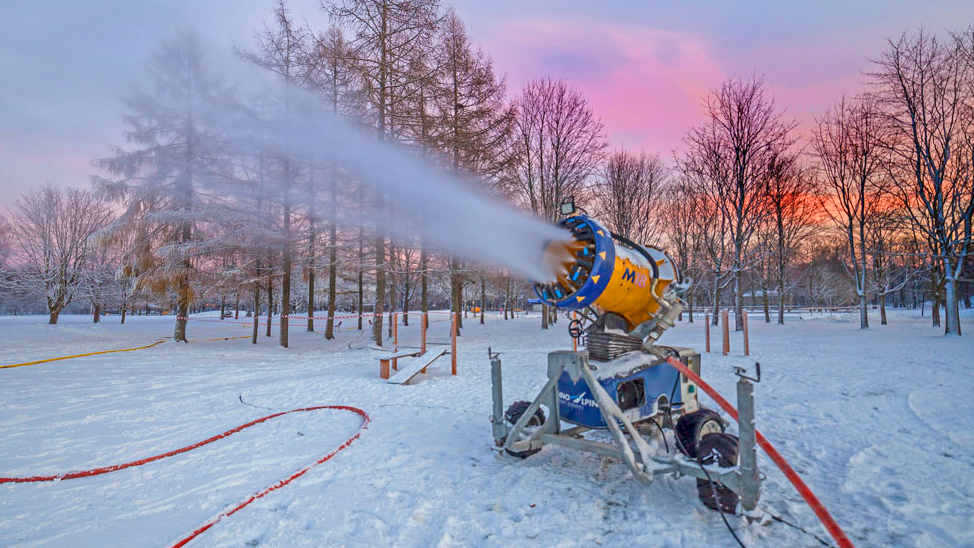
pixel 880 424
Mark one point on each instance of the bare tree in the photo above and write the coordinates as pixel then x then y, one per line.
pixel 706 171
pixel 791 204
pixel 848 142
pixel 558 144
pixel 746 130
pixel 681 207
pixel 924 83
pixel 886 248
pixel 628 195
pixel 52 233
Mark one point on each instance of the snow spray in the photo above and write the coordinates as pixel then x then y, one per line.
pixel 418 199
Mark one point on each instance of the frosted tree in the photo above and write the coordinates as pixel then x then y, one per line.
pixel 334 79
pixel 284 50
pixel 473 120
pixel 176 152
pixel 848 142
pixel 52 232
pixel 387 35
pixel 925 87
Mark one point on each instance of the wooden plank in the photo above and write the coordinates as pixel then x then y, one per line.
pixel 410 369
pixel 401 354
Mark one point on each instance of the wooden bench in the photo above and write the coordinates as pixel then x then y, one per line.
pixel 411 368
pixel 385 360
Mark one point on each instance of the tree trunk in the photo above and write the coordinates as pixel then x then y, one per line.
pixel 738 300
pixel 124 308
pixel 483 299
pixel 544 316
pixel 781 300
pixel 767 309
pixel 863 311
pixel 52 318
pixel 332 274
pixel 951 306
pixel 97 314
pixel 182 309
pixel 716 304
pixel 361 278
pixel 270 303
pixel 882 308
pixel 380 289
pixel 286 285
pixel 393 299
pixel 253 338
pixel 393 293
pixel 311 297
pixel 405 299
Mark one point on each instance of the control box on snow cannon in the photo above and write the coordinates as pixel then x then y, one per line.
pixel 623 296
pixel 639 390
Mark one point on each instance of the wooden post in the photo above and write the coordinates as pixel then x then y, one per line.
pixel 453 343
pixel 395 339
pixel 422 333
pixel 726 328
pixel 706 329
pixel 747 348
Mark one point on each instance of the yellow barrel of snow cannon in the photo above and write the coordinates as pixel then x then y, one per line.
pixel 607 272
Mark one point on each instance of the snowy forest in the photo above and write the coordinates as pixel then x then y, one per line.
pixel 210 201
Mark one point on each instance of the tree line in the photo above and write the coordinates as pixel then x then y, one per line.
pixel 872 204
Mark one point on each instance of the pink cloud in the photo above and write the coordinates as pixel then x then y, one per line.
pixel 646 84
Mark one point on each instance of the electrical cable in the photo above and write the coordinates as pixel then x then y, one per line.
pixel 639 249
pixel 800 528
pixel 661 434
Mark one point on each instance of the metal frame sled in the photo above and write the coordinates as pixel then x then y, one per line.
pixel 629 430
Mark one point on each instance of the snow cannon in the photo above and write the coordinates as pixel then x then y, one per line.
pixel 614 275
pixel 621 296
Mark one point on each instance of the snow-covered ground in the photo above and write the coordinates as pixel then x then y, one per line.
pixel 880 424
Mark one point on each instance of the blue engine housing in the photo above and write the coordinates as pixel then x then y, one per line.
pixel 635 393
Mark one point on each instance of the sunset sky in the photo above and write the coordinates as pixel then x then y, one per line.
pixel 644 66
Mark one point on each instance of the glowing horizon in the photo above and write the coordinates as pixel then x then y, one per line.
pixel 643 67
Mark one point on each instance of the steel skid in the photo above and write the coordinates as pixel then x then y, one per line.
pixel 646 459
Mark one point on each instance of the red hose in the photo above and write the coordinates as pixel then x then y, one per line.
pixel 212 521
pixel 806 493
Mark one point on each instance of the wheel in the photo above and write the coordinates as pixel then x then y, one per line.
pixel 692 427
pixel 723 449
pixel 513 414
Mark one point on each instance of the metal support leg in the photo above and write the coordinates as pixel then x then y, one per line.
pixel 497 420
pixel 747 450
pixel 547 396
